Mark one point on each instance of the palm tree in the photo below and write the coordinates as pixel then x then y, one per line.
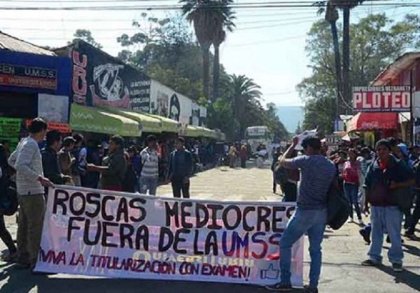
pixel 245 93
pixel 346 6
pixel 206 16
pixel 223 21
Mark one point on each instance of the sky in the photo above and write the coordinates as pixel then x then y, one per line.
pixel 268 44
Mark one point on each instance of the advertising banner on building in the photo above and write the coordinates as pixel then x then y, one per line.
pixel 53 108
pixel 102 80
pixel 34 73
pixel 382 99
pixel 122 235
pixel 168 103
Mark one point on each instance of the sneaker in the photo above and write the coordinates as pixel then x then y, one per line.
pixel 397 267
pixel 279 287
pixel 370 263
pixel 12 257
pixel 308 289
pixel 366 235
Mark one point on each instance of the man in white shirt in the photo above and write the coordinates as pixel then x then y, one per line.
pixel 30 183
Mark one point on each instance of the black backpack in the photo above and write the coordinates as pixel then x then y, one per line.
pixel 280 174
pixel 338 206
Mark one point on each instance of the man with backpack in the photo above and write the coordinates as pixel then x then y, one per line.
pixel 317 174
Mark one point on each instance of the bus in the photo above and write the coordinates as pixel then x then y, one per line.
pixel 256 135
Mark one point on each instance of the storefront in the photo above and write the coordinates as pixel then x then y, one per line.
pixel 405 71
pixel 32 85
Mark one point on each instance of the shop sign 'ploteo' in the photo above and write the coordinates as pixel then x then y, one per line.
pixel 382 99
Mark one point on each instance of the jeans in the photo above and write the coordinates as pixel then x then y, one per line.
pixel 148 184
pixel 352 193
pixel 386 219
pixel 313 223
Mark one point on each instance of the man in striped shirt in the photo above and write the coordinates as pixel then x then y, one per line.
pixel 30 182
pixel 150 166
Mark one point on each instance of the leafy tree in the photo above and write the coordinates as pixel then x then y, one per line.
pixel 274 124
pixel 86 35
pixel 164 49
pixel 377 41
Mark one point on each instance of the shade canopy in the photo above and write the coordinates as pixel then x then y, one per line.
pixel 168 125
pixel 96 120
pixel 366 121
pixel 148 123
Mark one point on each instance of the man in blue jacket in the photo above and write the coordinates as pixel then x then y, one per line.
pixel 180 169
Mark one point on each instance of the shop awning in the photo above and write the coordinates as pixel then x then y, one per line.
pixel 168 125
pixel 365 121
pixel 192 131
pixel 206 132
pixel 96 120
pixel 147 123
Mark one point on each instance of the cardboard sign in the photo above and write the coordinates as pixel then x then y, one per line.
pixel 382 99
pixel 123 235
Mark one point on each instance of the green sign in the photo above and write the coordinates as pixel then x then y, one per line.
pixel 9 130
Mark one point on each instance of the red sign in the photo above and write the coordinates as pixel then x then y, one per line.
pixel 29 77
pixel 61 127
pixel 382 99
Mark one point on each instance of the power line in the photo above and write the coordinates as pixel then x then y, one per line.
pixel 249 5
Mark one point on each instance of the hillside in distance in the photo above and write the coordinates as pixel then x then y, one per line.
pixel 290 116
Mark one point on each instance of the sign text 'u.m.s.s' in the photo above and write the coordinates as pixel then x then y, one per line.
pixel 123 235
pixel 382 99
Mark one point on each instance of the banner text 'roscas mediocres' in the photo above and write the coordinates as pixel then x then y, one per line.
pixel 123 235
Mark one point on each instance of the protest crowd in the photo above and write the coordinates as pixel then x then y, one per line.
pixel 381 182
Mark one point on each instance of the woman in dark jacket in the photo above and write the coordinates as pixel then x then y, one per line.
pixel 4 183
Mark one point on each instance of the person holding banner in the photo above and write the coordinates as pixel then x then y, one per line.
pixel 30 183
pixel 180 169
pixel 114 166
pixel 317 174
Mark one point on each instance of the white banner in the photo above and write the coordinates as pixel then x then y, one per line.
pixel 123 235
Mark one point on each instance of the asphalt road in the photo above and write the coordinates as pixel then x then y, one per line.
pixel 343 251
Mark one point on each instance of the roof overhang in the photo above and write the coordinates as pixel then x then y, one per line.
pixel 404 62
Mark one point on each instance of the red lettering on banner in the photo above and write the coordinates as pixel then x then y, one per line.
pixel 53 257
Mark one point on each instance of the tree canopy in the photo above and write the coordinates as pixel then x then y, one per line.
pixel 166 51
pixel 376 42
